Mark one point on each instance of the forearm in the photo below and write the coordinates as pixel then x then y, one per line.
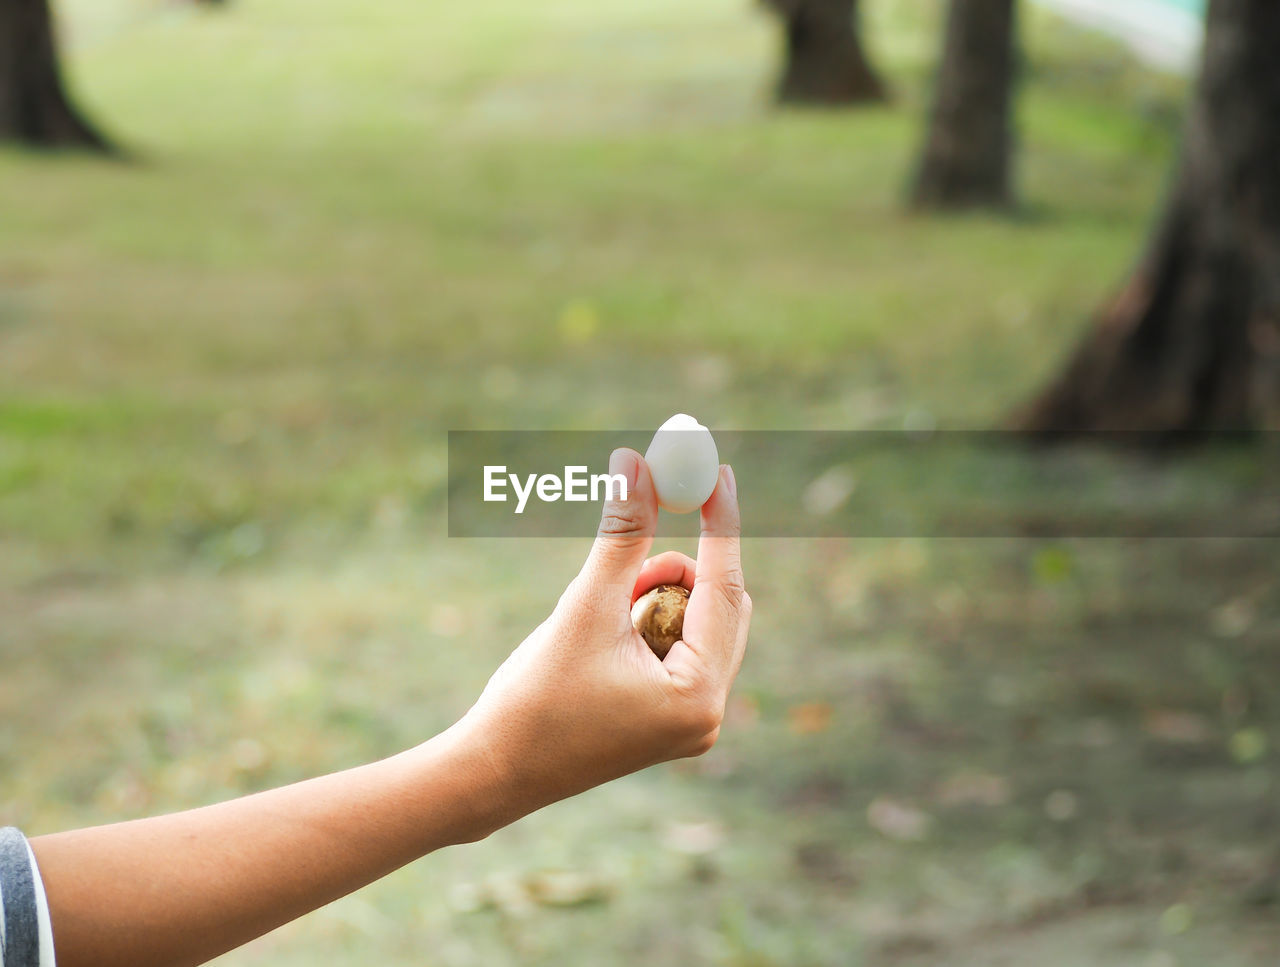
pixel 183 888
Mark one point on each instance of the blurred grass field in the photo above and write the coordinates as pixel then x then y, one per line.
pixel 226 373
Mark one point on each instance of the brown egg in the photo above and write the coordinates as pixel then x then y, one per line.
pixel 659 616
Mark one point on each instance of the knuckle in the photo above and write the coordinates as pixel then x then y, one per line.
pixel 703 719
pixel 705 743
pixel 732 590
pixel 615 524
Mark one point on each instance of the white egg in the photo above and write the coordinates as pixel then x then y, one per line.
pixel 684 463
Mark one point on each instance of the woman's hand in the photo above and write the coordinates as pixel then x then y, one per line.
pixel 583 700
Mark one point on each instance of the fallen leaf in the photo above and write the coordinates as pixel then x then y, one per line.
pixel 974 789
pixel 566 888
pixel 1234 618
pixel 1177 919
pixel 1248 745
pixel 809 718
pixel 508 893
pixel 693 839
pixel 1171 725
pixel 898 820
pixel 1061 805
pixel 1053 565
pixel 825 862
pixel 469 898
pixel 518 895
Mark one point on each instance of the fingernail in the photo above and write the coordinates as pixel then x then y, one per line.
pixel 730 481
pixel 623 461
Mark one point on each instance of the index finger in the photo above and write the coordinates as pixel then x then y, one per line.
pixel 715 606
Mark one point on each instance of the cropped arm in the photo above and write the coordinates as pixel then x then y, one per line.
pixel 185 887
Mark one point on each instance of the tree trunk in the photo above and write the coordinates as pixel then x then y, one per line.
pixel 966 160
pixel 1192 342
pixel 34 107
pixel 825 62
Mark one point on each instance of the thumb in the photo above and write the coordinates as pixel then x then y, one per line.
pixel 626 527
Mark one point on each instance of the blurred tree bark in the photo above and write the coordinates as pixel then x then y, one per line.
pixel 825 61
pixel 34 107
pixel 1192 341
pixel 966 157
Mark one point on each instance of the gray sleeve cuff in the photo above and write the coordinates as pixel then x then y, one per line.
pixel 26 935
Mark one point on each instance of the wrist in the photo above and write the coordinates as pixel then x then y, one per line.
pixel 479 786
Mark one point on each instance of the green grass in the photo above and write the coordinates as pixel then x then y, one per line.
pixel 342 220
pixel 226 373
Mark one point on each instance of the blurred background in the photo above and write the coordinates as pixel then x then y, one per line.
pixel 327 232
